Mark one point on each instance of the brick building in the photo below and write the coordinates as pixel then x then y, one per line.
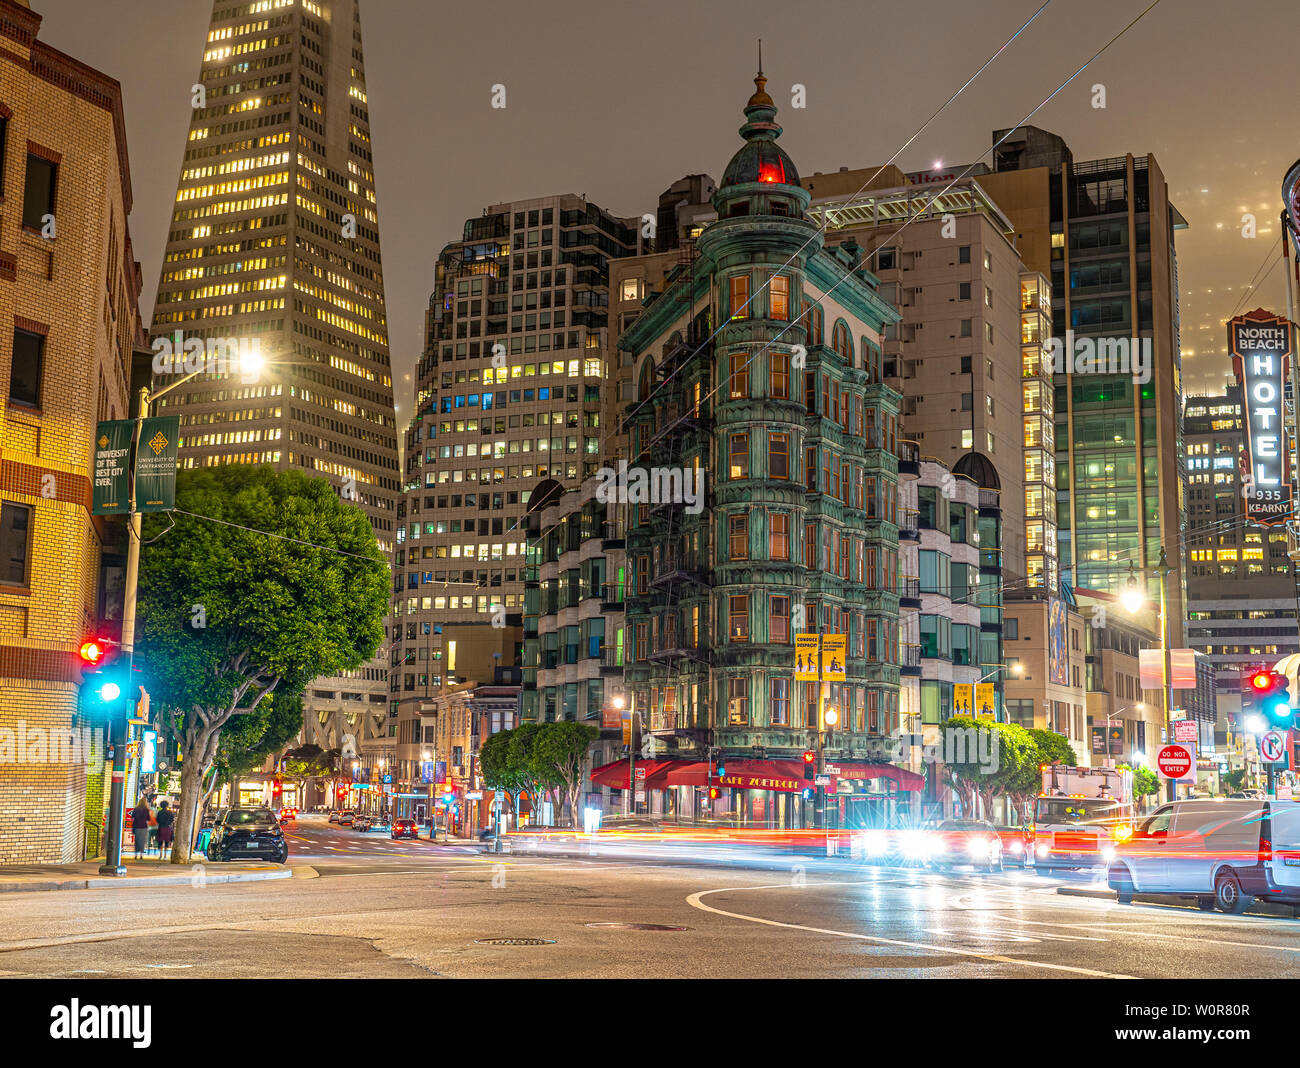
pixel 69 323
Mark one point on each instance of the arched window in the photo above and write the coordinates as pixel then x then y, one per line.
pixel 647 378
pixel 840 341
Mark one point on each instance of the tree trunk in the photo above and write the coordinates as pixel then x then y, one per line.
pixel 198 757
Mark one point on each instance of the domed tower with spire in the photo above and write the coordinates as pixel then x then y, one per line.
pixel 794 430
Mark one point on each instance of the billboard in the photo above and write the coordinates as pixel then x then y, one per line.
pixel 1261 345
pixel 1291 197
pixel 1058 658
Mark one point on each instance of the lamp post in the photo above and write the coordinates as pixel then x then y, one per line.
pixel 1110 762
pixel 251 364
pixel 1133 598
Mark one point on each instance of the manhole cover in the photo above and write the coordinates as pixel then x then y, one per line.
pixel 639 926
pixel 514 941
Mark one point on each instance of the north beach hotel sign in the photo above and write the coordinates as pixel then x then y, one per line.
pixel 1261 348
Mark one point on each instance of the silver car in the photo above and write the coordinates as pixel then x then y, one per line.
pixel 1224 853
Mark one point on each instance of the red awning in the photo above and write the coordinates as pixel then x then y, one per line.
pixel 690 774
pixel 615 774
pixel 906 780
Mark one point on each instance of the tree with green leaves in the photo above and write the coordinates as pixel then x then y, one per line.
pixel 561 749
pixel 983 760
pixel 263 581
pixel 1145 781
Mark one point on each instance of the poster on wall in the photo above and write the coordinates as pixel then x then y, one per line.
pixel 1058 659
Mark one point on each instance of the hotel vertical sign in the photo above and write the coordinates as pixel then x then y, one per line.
pixel 1261 345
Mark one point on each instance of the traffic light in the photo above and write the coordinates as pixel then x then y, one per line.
pixel 809 764
pixel 1273 697
pixel 714 793
pixel 721 769
pixel 103 681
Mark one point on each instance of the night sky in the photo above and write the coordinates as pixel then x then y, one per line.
pixel 618 99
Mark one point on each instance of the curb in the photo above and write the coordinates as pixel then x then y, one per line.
pixel 1259 908
pixel 128 882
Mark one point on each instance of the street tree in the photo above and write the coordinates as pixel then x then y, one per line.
pixel 292 586
pixel 561 749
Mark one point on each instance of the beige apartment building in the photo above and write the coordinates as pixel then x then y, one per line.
pixel 69 325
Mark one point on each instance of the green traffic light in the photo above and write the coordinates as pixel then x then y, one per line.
pixel 110 691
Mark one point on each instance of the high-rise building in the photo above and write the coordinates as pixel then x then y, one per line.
pixel 1102 231
pixel 274 244
pixel 509 395
pixel 69 299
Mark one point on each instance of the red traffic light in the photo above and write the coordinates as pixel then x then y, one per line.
pixel 92 651
pixel 809 757
pixel 1262 681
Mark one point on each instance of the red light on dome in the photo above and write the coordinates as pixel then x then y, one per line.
pixel 771 173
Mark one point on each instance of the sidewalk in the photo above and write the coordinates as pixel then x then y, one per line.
pixel 1258 908
pixel 150 871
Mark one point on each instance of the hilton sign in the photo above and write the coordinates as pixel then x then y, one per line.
pixel 1261 348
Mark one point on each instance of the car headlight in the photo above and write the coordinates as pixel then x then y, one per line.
pixel 1042 849
pixel 1108 851
pixel 1017 847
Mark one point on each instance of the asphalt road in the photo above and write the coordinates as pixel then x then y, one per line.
pixel 371 907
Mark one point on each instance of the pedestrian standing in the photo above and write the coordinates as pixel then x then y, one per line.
pixel 140 816
pixel 165 818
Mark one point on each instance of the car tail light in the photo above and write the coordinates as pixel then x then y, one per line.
pixel 1265 850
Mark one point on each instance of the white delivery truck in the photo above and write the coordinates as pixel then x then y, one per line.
pixel 1080 816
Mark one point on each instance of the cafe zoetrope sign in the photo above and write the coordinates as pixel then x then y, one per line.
pixel 760 782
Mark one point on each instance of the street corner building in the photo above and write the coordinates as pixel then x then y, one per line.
pixel 759 382
pixel 69 328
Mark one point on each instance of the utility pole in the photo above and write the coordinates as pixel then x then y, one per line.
pixel 118 726
pixel 250 364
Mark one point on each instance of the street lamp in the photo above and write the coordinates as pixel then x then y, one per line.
pixel 1133 598
pixel 251 365
pixel 1110 762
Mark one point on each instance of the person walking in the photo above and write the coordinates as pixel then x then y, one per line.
pixel 140 816
pixel 165 818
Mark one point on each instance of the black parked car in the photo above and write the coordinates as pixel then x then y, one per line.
pixel 248 834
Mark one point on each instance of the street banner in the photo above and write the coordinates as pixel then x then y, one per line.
pixel 627 728
pixel 1151 669
pixel 985 700
pixel 439 772
pixel 610 718
pixel 155 464
pixel 963 699
pixel 111 492
pixel 1182 669
pixel 834 652
pixel 805 657
pixel 1262 346
pixel 426 771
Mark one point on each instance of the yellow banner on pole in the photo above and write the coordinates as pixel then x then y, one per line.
pixel 805 657
pixel 985 700
pixel 834 651
pixel 963 697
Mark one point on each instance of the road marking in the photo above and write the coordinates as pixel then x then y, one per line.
pixel 694 900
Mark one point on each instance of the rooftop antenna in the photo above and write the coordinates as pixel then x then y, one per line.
pixel 760 55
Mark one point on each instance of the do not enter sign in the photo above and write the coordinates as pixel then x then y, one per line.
pixel 1175 762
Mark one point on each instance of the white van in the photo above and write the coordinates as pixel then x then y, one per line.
pixel 1224 853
